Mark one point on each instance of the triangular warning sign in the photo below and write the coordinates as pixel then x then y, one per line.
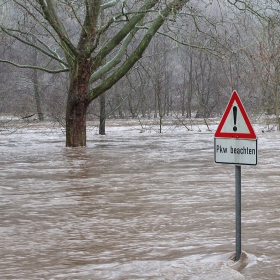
pixel 235 122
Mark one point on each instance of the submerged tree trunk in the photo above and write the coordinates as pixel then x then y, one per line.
pixel 37 95
pixel 35 81
pixel 276 96
pixel 76 124
pixel 77 104
pixel 102 118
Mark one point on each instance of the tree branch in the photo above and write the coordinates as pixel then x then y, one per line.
pixel 33 45
pixel 246 7
pixel 39 21
pixel 180 42
pixel 110 4
pixel 35 67
pixel 112 63
pixel 107 48
pixel 89 27
pixel 51 16
pixel 138 52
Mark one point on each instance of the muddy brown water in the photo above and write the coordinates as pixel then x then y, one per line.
pixel 134 206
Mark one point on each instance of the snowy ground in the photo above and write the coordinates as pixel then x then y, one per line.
pixel 135 204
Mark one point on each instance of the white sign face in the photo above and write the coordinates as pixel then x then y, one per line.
pixel 235 121
pixel 236 151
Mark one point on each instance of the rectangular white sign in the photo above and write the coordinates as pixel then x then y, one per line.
pixel 236 151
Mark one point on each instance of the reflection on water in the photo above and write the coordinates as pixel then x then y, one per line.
pixel 133 206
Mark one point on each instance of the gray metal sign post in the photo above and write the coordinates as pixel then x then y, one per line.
pixel 238 211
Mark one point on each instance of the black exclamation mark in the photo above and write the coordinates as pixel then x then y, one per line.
pixel 234 118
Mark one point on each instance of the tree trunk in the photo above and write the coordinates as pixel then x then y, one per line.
pixel 276 96
pixel 76 124
pixel 37 95
pixel 35 81
pixel 102 101
pixel 102 117
pixel 190 91
pixel 77 104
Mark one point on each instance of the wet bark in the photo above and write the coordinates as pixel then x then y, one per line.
pixel 77 105
pixel 37 95
pixel 35 81
pixel 76 124
pixel 102 118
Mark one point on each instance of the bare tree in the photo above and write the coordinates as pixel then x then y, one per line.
pixel 69 32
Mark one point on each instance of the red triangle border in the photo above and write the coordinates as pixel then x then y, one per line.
pixel 250 135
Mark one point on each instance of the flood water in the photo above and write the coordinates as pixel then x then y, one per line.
pixel 134 206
